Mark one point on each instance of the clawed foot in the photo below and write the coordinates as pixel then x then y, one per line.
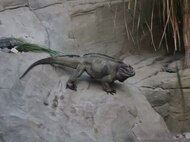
pixel 71 86
pixel 110 91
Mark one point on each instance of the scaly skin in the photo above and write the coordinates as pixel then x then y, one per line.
pixel 101 67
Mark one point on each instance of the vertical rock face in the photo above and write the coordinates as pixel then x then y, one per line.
pixel 103 31
pixel 77 26
pixel 22 23
pixel 157 79
pixel 68 26
pixel 38 107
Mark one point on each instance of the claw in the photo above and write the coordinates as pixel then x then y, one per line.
pixel 71 86
pixel 110 91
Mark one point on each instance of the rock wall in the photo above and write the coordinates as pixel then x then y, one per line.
pixel 157 79
pixel 38 107
pixel 77 26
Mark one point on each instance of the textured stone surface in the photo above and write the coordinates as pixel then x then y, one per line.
pixel 36 4
pixel 6 4
pixel 84 29
pixel 156 96
pixel 162 88
pixel 57 21
pixel 22 23
pixel 99 32
pixel 39 108
pixel 78 26
pixel 68 26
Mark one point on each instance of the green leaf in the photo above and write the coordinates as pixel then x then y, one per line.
pixel 37 48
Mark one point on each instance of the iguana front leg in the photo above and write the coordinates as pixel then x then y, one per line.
pixel 71 83
pixel 106 82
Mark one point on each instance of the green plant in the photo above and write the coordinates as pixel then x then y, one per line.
pixel 37 48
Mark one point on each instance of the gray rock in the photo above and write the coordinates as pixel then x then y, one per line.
pixel 58 24
pixel 22 23
pixel 85 27
pixel 86 115
pixel 6 50
pixel 39 108
pixel 156 97
pixel 36 4
pixel 6 4
pixel 163 110
pixel 159 99
pixel 162 89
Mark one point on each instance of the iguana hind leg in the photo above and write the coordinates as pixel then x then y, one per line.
pixel 71 83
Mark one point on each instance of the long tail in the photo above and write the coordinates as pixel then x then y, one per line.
pixel 62 60
pixel 48 60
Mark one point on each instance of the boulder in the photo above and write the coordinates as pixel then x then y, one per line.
pixel 39 108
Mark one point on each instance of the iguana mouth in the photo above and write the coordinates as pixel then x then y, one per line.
pixel 131 74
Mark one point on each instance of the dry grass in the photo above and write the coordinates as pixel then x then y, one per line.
pixel 170 15
pixel 136 28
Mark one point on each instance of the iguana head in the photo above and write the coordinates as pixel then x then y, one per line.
pixel 124 71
